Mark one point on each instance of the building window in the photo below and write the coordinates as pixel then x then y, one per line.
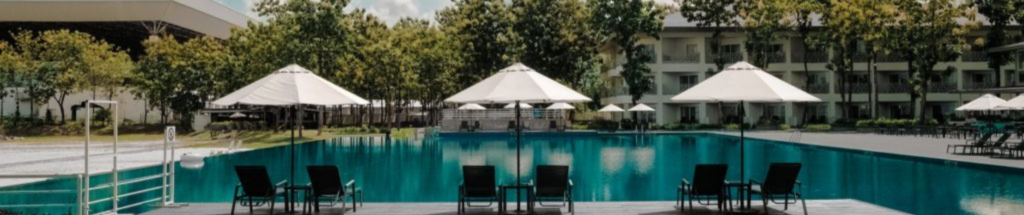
pixel 731 49
pixel 688 114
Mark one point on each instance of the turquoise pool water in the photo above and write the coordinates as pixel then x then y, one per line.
pixel 618 168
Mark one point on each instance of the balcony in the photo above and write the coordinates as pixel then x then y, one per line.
pixel 728 57
pixel 979 85
pixel 675 89
pixel 777 57
pixel 855 88
pixel 941 87
pixel 974 56
pixel 625 92
pixel 895 88
pixel 817 88
pixel 812 57
pixel 687 58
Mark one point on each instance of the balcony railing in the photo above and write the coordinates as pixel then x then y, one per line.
pixel 974 56
pixel 941 87
pixel 979 85
pixel 675 89
pixel 812 57
pixel 894 88
pixel 687 58
pixel 728 57
pixel 625 92
pixel 817 88
pixel 777 57
pixel 889 58
pixel 855 88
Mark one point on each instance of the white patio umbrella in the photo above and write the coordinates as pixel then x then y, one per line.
pixel 610 108
pixel 742 82
pixel 989 102
pixel 291 86
pixel 513 105
pixel 471 106
pixel 1016 103
pixel 237 115
pixel 518 84
pixel 561 106
pixel 641 108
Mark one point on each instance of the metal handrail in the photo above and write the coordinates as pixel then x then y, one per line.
pixel 77 204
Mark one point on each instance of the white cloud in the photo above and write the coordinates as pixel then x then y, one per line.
pixel 390 11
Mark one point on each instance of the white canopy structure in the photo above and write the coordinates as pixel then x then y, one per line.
pixel 984 103
pixel 744 82
pixel 291 85
pixel 517 83
pixel 641 108
pixel 611 108
pixel 237 115
pixel 561 106
pixel 472 106
pixel 521 105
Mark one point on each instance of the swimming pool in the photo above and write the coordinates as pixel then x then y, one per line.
pixel 620 168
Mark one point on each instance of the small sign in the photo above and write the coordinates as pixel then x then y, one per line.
pixel 169 134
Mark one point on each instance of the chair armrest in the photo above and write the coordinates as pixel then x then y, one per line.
pixel 570 183
pixel 798 183
pixel 685 183
pixel 753 181
pixel 281 183
pixel 350 183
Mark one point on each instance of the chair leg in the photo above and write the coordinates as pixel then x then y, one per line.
pixel 234 201
pixel 690 202
pixel 785 202
pixel 804 203
pixel 272 201
pixel 764 202
pixel 250 205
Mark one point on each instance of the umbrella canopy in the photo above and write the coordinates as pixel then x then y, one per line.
pixel 744 82
pixel 517 83
pixel 237 115
pixel 983 103
pixel 611 108
pixel 641 108
pixel 561 106
pixel 291 85
pixel 521 105
pixel 1016 103
pixel 472 106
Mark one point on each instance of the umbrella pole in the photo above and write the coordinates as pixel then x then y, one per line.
pixel 742 148
pixel 291 144
pixel 519 133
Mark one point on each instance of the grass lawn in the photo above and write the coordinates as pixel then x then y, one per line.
pixel 250 139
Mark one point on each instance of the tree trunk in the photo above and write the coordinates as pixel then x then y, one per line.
pixel 873 92
pixel 60 105
pixel 924 102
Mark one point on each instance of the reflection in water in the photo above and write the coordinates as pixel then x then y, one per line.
pixel 621 168
pixel 643 158
pixel 612 159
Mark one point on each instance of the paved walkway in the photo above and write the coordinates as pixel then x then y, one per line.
pixel 816 207
pixel 925 147
pixel 48 159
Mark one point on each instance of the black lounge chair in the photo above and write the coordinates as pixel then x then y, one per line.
pixel 255 184
pixel 553 184
pixel 708 181
pixel 476 126
pixel 325 182
pixel 969 144
pixel 989 149
pixel 464 126
pixel 780 182
pixel 478 185
pixel 511 126
pixel 553 126
pixel 1009 151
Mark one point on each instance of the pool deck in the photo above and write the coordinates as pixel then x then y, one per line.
pixel 816 207
pixel 924 147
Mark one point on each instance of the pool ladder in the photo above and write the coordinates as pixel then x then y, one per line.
pixel 796 135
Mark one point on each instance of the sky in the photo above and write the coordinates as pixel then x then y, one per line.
pixel 388 10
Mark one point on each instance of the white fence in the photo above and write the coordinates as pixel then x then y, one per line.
pixel 504 114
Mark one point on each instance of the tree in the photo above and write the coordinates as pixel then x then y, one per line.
pixel 840 33
pixel 483 29
pixel 999 14
pixel 156 71
pixel 800 13
pixel 10 63
pixel 943 38
pixel 436 62
pixel 180 77
pixel 555 37
pixel 306 32
pixel 623 23
pixel 869 19
pixel 714 14
pixel 764 22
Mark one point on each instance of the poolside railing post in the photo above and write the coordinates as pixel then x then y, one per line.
pixel 173 144
pixel 164 175
pixel 88 123
pixel 114 176
pixel 519 134
pixel 78 195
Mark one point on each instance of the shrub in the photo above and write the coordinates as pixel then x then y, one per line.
pixel 784 127
pixel 818 127
pixel 579 127
pixel 673 126
pixel 732 126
